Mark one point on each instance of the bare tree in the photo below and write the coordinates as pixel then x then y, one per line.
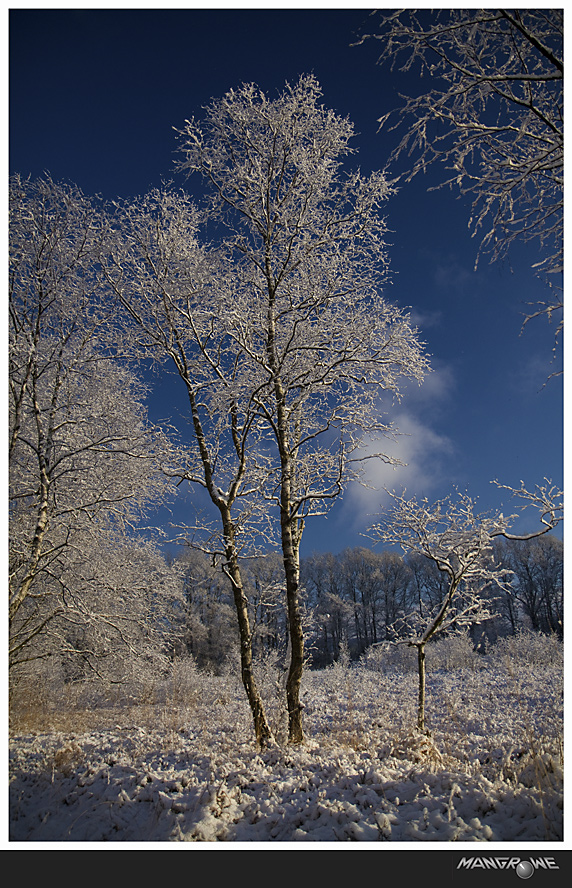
pixel 459 541
pixel 174 307
pixel 537 587
pixel 383 581
pixel 491 109
pixel 84 461
pixel 307 261
pixel 322 578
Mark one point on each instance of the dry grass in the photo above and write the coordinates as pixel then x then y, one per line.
pixel 32 712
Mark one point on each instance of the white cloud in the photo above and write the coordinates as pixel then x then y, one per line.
pixel 420 449
pixel 423 451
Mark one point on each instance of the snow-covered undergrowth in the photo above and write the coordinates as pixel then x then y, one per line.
pixel 185 767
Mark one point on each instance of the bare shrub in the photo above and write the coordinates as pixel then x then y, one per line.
pixel 530 649
pixel 390 657
pixel 452 652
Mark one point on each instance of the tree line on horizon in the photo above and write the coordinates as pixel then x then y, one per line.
pixel 358 598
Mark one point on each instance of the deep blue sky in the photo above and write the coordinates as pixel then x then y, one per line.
pixel 94 97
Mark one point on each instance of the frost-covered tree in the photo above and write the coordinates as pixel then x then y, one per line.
pixel 459 542
pixel 117 620
pixel 84 461
pixel 174 300
pixel 490 108
pixel 306 263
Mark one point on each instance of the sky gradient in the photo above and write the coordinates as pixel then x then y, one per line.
pixel 95 96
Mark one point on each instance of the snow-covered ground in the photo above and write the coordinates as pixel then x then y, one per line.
pixel 186 769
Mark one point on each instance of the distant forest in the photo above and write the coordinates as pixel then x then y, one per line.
pixel 359 598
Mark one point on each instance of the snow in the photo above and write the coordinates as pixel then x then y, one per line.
pixel 186 769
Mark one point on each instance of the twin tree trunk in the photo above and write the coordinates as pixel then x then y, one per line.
pixel 290 543
pixel 17 597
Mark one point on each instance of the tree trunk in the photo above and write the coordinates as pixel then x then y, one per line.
pixel 261 727
pixel 18 596
pixel 421 671
pixel 290 549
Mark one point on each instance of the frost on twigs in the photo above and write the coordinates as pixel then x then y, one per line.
pixel 85 461
pixel 547 499
pixel 488 110
pixel 451 534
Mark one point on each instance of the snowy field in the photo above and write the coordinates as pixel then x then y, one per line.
pixel 184 768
